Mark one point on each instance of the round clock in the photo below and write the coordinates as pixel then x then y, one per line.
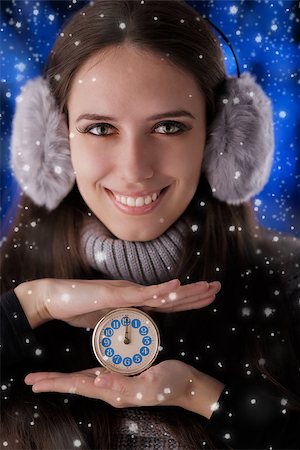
pixel 126 340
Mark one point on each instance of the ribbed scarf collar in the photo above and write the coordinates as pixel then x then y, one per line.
pixel 146 263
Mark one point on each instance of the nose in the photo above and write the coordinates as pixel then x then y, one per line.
pixel 136 162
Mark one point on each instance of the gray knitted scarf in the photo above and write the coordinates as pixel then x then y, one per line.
pixel 146 263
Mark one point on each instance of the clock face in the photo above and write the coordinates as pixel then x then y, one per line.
pixel 126 340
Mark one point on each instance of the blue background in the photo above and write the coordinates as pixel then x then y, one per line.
pixel 265 37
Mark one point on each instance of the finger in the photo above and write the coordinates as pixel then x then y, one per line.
pixel 181 293
pixel 194 303
pixel 32 378
pixel 199 294
pixel 67 383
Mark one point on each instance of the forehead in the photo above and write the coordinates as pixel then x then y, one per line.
pixel 119 75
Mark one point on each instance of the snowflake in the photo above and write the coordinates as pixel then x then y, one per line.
pixel 172 296
pixel 100 256
pixel 132 426
pixel 268 311
pixel 282 114
pixel 122 25
pixel 21 66
pixel 77 443
pixel 246 312
pixel 233 9
pixel 65 297
pixel 139 395
pixel 214 406
pixel 57 170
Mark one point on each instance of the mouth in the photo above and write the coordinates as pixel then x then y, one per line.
pixel 137 205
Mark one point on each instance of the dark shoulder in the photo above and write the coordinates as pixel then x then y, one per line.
pixel 282 253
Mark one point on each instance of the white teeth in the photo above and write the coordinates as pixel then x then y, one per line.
pixel 148 200
pixel 139 201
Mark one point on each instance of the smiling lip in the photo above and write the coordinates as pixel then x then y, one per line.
pixel 137 210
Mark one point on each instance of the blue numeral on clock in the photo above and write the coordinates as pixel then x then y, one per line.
pixel 117 359
pixel 136 323
pixel 143 331
pixel 137 358
pixel 147 340
pixel 108 332
pixel 127 361
pixel 125 321
pixel 144 351
pixel 109 351
pixel 116 324
pixel 106 342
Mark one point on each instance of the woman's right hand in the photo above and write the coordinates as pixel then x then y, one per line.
pixel 82 303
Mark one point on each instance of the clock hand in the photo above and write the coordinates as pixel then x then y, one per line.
pixel 126 339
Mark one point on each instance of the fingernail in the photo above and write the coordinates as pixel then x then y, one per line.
pixel 36 388
pixel 27 379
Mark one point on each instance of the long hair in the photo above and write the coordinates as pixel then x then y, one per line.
pixel 45 244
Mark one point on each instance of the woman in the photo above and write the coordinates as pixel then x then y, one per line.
pixel 149 204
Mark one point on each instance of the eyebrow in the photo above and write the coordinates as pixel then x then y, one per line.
pixel 177 113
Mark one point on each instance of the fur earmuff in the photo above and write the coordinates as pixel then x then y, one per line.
pixel 40 152
pixel 240 141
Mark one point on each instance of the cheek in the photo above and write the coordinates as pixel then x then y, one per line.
pixel 88 164
pixel 189 166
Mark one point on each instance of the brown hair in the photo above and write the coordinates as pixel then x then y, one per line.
pixel 50 249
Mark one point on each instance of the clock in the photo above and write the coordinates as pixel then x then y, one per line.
pixel 126 340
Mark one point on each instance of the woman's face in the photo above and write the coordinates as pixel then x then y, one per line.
pixel 130 153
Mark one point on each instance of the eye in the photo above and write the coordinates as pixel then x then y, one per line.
pixel 97 129
pixel 171 124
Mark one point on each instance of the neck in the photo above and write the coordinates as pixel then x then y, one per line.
pixel 146 263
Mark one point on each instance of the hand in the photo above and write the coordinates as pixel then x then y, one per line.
pixel 170 383
pixel 82 303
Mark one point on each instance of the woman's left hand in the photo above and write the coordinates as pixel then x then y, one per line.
pixel 170 383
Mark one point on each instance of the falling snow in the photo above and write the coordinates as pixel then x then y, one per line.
pixel 264 39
